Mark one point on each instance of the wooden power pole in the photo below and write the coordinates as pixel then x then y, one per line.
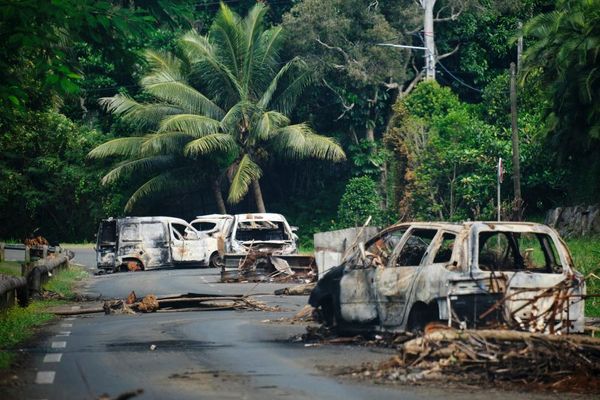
pixel 518 201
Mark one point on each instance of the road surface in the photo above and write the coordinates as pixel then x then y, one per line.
pixel 199 355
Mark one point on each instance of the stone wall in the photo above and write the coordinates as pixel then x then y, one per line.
pixel 575 221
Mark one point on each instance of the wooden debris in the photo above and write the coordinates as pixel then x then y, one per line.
pixel 298 290
pixel 495 356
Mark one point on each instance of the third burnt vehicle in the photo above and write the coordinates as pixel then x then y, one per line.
pixel 466 274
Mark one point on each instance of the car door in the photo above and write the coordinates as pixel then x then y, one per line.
pixel 358 302
pixel 393 282
pixel 186 244
pixel 154 244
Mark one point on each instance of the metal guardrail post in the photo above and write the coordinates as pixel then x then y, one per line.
pixel 2 254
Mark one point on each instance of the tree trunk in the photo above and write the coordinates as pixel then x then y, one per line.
pixel 518 201
pixel 429 38
pixel 258 198
pixel 216 187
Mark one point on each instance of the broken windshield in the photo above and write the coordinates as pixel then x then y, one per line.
pixel 262 230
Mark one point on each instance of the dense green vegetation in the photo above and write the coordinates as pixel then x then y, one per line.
pixel 232 93
pixel 19 323
pixel 586 256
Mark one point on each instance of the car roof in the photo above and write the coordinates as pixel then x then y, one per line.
pixel 260 216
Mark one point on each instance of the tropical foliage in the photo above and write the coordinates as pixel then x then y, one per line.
pixel 227 96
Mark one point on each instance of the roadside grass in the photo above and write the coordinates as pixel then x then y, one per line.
pixel 19 324
pixel 12 268
pixel 72 246
pixel 63 282
pixel 586 256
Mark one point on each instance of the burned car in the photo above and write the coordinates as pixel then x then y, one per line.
pixel 213 229
pixel 468 274
pixel 142 243
pixel 260 244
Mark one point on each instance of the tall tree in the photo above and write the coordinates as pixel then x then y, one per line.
pixel 227 96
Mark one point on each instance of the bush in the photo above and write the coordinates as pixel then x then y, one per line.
pixel 360 200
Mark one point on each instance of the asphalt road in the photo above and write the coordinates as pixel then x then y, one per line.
pixel 198 355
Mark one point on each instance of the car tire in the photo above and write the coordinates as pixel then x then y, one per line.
pixel 215 261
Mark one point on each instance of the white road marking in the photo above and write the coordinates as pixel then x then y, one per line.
pixel 70 319
pixel 53 357
pixel 45 377
pixel 63 333
pixel 66 325
pixel 205 281
pixel 75 307
pixel 59 345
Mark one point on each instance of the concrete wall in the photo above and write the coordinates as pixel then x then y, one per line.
pixel 331 246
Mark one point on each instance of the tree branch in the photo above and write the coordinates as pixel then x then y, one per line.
pixel 449 53
pixel 338 49
pixel 453 14
pixel 346 106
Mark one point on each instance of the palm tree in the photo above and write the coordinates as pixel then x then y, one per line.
pixel 565 53
pixel 226 97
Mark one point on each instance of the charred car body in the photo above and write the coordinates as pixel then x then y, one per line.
pixel 260 244
pixel 213 229
pixel 142 243
pixel 467 274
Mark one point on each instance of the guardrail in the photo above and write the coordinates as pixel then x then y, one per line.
pixel 21 289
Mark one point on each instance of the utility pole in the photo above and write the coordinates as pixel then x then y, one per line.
pixel 518 202
pixel 427 6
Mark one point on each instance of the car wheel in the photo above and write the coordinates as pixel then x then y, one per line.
pixel 216 261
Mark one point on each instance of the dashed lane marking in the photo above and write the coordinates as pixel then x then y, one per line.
pixel 59 345
pixel 63 333
pixel 75 307
pixel 52 357
pixel 66 325
pixel 45 377
pixel 70 319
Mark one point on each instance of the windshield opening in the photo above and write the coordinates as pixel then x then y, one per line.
pixel 261 231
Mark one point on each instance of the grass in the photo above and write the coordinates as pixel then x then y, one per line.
pixel 20 323
pixel 586 256
pixel 72 246
pixel 12 268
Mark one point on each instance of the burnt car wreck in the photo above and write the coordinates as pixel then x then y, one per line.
pixel 474 274
pixel 261 247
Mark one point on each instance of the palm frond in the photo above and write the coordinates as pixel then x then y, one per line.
pixel 143 116
pixel 164 63
pixel 165 142
pixel 226 34
pixel 236 116
pixel 141 165
pixel 191 124
pixel 246 172
pixel 124 147
pixel 181 94
pixel 166 182
pixel 216 78
pixel 281 74
pixel 268 123
pixel 289 86
pixel 216 142
pixel 253 28
pixel 299 141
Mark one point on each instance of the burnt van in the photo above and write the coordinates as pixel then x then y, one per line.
pixel 144 243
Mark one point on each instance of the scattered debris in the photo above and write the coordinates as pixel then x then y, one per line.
pixel 184 302
pixel 262 264
pixel 148 304
pixel 152 347
pixel 122 396
pixel 500 357
pixel 299 290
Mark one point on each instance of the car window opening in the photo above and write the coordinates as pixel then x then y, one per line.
pixel 261 231
pixel 515 251
pixel 415 247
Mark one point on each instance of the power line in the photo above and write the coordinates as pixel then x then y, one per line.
pixel 459 80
